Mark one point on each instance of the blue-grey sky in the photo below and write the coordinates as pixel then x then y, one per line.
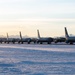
pixel 49 16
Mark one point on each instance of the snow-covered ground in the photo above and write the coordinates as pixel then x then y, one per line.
pixel 18 59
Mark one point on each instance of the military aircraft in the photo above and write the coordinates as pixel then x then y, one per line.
pixel 22 40
pixel 44 39
pixel 10 40
pixel 69 39
pixel 59 39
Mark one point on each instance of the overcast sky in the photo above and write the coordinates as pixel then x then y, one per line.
pixel 49 16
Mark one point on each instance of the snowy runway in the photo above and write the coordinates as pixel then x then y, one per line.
pixel 37 59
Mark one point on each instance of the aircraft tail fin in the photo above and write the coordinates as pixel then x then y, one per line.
pixel 38 33
pixel 7 37
pixel 20 35
pixel 66 33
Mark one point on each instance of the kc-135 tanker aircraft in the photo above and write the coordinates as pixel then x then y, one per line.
pixel 39 40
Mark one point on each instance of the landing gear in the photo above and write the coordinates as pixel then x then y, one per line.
pixel 13 42
pixel 28 42
pixel 34 42
pixel 71 43
pixel 40 42
pixel 18 42
pixel 21 42
pixel 48 42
